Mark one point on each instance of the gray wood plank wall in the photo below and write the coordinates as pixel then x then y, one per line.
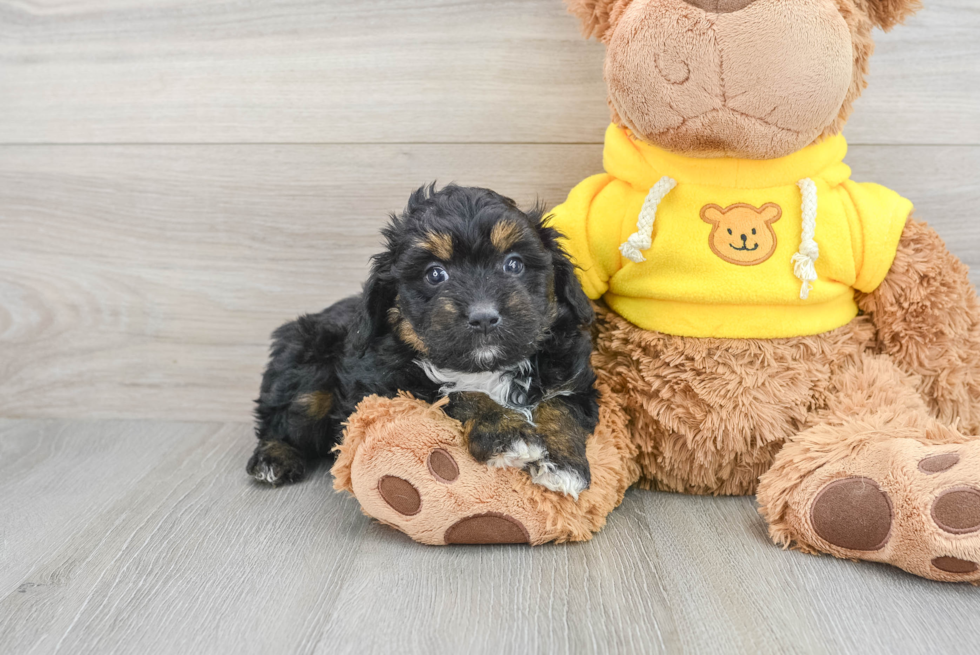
pixel 177 179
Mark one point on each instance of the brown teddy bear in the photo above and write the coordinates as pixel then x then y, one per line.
pixel 765 324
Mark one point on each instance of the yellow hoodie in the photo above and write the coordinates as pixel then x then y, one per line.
pixel 733 248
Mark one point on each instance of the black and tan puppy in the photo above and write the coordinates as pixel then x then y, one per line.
pixel 472 298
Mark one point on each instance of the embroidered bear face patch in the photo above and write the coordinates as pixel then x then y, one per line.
pixel 742 234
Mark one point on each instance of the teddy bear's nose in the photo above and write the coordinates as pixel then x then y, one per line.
pixel 720 6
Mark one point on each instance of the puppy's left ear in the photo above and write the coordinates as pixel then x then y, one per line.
pixel 886 14
pixel 568 291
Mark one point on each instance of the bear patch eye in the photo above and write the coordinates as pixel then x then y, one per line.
pixel 514 265
pixel 729 230
pixel 753 230
pixel 436 275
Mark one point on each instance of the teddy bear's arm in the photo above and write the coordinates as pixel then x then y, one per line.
pixel 591 231
pixel 928 319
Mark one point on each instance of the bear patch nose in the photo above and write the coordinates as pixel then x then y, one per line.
pixel 484 319
pixel 720 6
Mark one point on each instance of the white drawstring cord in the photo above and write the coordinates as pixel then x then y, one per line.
pixel 803 261
pixel 642 239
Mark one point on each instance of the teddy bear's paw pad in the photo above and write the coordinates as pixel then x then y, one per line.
pixel 442 466
pixel 957 510
pixel 853 513
pixel 954 565
pixel 488 528
pixel 938 463
pixel 401 495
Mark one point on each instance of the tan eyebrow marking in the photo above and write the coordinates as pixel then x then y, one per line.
pixel 504 235
pixel 439 244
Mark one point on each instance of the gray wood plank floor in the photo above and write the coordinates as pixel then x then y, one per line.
pixel 147 537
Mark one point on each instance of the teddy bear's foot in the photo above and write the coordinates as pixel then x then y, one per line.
pixel 912 502
pixel 408 466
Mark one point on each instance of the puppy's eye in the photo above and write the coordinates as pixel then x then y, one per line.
pixel 436 275
pixel 514 265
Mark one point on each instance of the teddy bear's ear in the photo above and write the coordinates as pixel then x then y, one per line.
pixel 712 214
pixel 770 212
pixel 597 16
pixel 886 14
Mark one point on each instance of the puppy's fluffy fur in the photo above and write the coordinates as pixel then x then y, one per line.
pixel 472 298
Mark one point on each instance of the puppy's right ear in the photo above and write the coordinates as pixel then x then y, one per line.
pixel 379 297
pixel 598 17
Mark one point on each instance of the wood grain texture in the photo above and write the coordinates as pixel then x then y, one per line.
pixel 148 537
pixel 299 71
pixel 144 281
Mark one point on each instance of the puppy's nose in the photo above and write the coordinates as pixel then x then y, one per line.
pixel 484 318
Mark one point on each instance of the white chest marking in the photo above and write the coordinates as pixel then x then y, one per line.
pixel 508 388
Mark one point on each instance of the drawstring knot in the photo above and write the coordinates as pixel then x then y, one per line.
pixel 804 261
pixel 642 239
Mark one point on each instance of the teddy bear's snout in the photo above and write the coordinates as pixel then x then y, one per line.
pixel 720 6
pixel 725 77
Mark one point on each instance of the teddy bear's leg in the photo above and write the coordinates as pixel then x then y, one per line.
pixel 878 478
pixel 408 465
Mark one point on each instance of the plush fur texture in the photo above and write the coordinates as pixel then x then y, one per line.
pixel 710 415
pixel 469 289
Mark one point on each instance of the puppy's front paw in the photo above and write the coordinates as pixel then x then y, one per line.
pixel 276 463
pixel 518 454
pixel 523 448
pixel 566 477
pixel 569 477
pixel 503 445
